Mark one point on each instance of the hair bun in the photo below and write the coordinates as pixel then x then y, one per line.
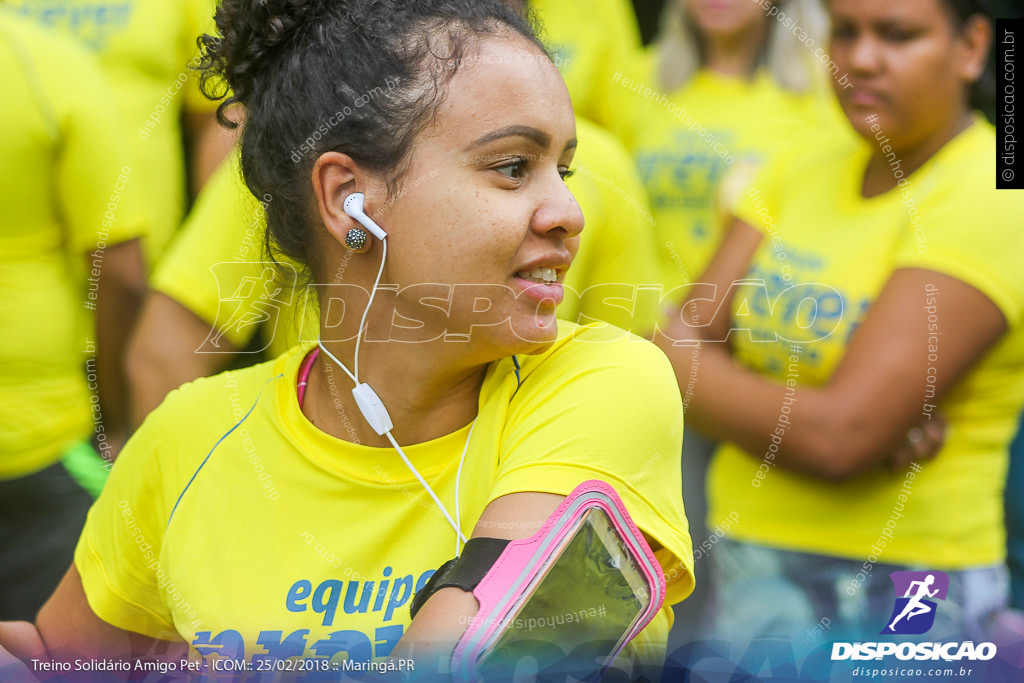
pixel 251 35
pixel 283 19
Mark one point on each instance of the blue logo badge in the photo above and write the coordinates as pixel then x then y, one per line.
pixel 914 612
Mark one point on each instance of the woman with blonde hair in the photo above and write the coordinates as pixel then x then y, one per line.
pixel 726 86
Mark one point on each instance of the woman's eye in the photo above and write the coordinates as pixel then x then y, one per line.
pixel 513 169
pixel 566 173
pixel 898 35
pixel 842 32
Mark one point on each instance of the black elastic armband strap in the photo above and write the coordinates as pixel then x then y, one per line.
pixel 464 572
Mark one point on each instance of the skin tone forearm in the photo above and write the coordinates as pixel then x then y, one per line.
pixel 66 629
pixel 169 348
pixel 22 640
pixel 806 423
pixel 877 393
pixel 122 287
pixel 69 628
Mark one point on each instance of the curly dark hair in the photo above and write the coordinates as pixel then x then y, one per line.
pixel 362 77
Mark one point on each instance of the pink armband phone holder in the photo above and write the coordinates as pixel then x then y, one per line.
pixel 588 569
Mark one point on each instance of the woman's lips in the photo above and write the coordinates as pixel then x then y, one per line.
pixel 865 98
pixel 539 292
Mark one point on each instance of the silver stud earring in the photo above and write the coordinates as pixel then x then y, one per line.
pixel 355 239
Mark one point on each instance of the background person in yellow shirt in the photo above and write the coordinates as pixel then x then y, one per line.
pixel 147 49
pixel 227 502
pixel 214 291
pixel 588 41
pixel 881 288
pixel 723 88
pixel 71 281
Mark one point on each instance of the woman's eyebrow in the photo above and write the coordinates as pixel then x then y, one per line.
pixel 537 136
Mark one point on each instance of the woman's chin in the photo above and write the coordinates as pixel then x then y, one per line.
pixel 535 332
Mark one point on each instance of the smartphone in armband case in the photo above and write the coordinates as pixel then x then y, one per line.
pixel 585 584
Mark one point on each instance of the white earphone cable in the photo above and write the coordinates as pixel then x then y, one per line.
pixel 444 511
pixel 324 349
pixel 458 476
pixel 366 311
pixel 459 536
pixel 455 523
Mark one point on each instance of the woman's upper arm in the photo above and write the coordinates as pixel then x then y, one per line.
pixel 69 628
pixel 919 338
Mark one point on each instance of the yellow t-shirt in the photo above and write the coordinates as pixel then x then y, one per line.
pixel 148 52
pixel 215 266
pixel 289 541
pixel 587 41
pixel 687 143
pixel 65 191
pixel 826 256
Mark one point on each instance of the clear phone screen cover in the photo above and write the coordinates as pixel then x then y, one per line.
pixel 585 602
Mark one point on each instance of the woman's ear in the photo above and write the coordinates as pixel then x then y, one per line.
pixel 335 176
pixel 976 41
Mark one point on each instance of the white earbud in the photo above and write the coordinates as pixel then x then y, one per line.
pixel 354 208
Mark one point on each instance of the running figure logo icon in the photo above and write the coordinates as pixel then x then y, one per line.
pixel 914 613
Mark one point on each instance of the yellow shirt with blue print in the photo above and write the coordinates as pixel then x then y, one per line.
pixel 826 255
